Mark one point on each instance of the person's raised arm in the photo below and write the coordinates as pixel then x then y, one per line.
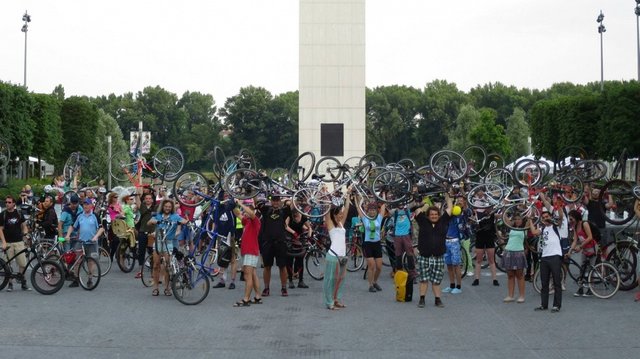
pixel 248 210
pixel 546 203
pixel 449 199
pixel 346 206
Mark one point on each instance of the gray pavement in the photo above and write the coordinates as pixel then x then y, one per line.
pixel 120 319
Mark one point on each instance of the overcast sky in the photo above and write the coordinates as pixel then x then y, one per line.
pixel 217 46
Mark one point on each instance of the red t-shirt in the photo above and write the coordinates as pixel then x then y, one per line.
pixel 187 212
pixel 250 233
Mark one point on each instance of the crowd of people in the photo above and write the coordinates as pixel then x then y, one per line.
pixel 431 233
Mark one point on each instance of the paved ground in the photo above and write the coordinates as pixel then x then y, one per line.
pixel 120 319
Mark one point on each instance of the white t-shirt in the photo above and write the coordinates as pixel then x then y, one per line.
pixel 338 242
pixel 550 242
pixel 563 228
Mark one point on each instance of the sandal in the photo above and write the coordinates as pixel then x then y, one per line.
pixel 242 303
pixel 155 292
pixel 256 300
pixel 167 292
pixel 340 305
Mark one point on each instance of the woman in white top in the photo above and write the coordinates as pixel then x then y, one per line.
pixel 336 264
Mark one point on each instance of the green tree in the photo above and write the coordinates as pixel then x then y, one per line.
pixel 518 133
pixel 203 128
pixel 468 118
pixel 489 134
pixel 79 125
pixel 99 155
pixel 16 124
pixel 48 130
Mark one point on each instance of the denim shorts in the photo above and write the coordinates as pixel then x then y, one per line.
pixel 453 257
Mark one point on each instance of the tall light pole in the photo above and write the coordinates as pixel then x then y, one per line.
pixel 601 30
pixel 25 28
pixel 638 34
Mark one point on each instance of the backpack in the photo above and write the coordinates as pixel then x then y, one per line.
pixel 395 220
pixel 404 286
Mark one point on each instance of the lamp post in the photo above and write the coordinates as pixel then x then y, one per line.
pixel 25 28
pixel 601 30
pixel 638 33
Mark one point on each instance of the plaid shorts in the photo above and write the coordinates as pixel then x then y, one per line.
pixel 250 260
pixel 430 269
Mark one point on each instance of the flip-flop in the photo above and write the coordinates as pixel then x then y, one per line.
pixel 167 292
pixel 339 305
pixel 155 292
pixel 256 300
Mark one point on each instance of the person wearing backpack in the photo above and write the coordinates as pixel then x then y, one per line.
pixel 402 238
pixel 584 242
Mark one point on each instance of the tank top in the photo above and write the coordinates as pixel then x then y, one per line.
pixel 338 244
pixel 589 249
pixel 516 241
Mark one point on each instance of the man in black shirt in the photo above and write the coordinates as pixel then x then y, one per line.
pixel 596 210
pixel 12 229
pixel 272 242
pixel 432 247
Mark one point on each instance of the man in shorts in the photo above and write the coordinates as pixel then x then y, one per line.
pixel 453 257
pixel 432 247
pixel 89 231
pixel 272 242
pixel 12 230
pixel 249 250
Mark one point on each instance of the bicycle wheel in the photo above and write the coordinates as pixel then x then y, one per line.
pixel 407 164
pixel 70 165
pixel 218 161
pixel 5 274
pixel 465 262
pixel 625 258
pixel 147 271
pixel 312 203
pixel 636 192
pixel 500 176
pixel 126 258
pixel 537 282
pixel 527 172
pixel 47 277
pixel 329 169
pixel 168 161
pixel 244 184
pixel 448 165
pixel 573 269
pixel 302 167
pixel 494 160
pixel 104 260
pixel 571 188
pixel 355 258
pixel 620 194
pixel 123 165
pixel 190 286
pixel 186 184
pixel 246 160
pixel 485 196
pixel 363 204
pixel 590 170
pixel 497 257
pixel 393 184
pixel 523 211
pixel 476 158
pixel 604 280
pixel 373 158
pixel 315 262
pixel 89 273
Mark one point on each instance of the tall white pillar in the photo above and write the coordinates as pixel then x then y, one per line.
pixel 332 78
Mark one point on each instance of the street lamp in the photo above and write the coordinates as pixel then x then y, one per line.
pixel 601 30
pixel 27 19
pixel 638 34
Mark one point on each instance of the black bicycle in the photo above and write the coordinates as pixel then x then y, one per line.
pixel 47 277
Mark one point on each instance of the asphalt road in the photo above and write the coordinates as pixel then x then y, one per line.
pixel 120 319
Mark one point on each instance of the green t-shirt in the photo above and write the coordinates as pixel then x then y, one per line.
pixel 516 241
pixel 129 215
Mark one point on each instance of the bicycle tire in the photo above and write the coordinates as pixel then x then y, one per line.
pixel 500 176
pixel 104 260
pixel 621 193
pixel 355 258
pixel 498 254
pixel 122 163
pixel 493 195
pixel 312 203
pixel 516 209
pixel 47 277
pixel 571 152
pixel 604 280
pixel 363 204
pixel 494 160
pixel 244 184
pixel 448 165
pixel 218 161
pixel 407 164
pixel 89 279
pixel 573 269
pixel 316 262
pixel 373 158
pixel 590 170
pixel 302 167
pixel 69 166
pixel 537 284
pixel 624 256
pixel 572 188
pixel 394 184
pixel 168 162
pixel 246 160
pixel 146 271
pixel 329 169
pixel 5 274
pixel 126 259
pixel 476 158
pixel 185 185
pixel 527 172
pixel 190 286
pixel 464 266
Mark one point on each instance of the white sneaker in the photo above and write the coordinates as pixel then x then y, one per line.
pixel 446 290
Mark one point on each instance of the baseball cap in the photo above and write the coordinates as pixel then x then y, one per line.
pixel 87 201
pixel 74 199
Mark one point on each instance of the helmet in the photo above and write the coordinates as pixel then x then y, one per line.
pixel 456 210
